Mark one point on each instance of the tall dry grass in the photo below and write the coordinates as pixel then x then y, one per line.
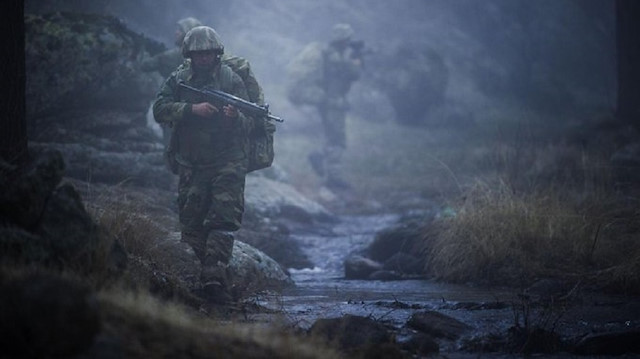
pixel 539 209
pixel 500 235
pixel 148 328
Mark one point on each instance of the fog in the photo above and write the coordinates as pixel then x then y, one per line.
pixel 482 148
pixel 494 50
pixel 434 69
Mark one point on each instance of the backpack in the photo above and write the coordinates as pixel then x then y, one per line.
pixel 305 76
pixel 261 139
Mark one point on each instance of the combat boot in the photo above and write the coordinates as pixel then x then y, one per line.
pixel 316 159
pixel 213 276
pixel 215 283
pixel 197 241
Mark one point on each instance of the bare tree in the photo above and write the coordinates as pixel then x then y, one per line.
pixel 13 128
pixel 628 43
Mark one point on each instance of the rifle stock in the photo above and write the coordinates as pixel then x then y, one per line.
pixel 220 98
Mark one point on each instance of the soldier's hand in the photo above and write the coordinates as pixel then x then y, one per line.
pixel 203 109
pixel 230 111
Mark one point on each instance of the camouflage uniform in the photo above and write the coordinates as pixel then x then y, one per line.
pixel 212 158
pixel 168 61
pixel 327 89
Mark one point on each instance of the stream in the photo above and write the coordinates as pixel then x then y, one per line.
pixel 322 292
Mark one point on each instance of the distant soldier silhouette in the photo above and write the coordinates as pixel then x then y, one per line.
pixel 166 62
pixel 321 75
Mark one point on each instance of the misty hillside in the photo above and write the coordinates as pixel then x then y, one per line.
pixel 557 55
pixel 483 152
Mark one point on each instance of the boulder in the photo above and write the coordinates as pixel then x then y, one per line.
pixel 250 270
pixel 45 221
pixel 270 199
pixel 359 267
pixel 437 325
pixel 403 237
pixel 351 333
pixel 612 343
pixel 254 271
pixel 76 60
pixel 404 264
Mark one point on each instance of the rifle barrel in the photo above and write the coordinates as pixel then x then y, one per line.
pixel 242 104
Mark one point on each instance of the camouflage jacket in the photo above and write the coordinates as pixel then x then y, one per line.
pixel 321 75
pixel 165 62
pixel 198 141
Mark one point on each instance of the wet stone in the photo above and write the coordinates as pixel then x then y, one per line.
pixel 438 325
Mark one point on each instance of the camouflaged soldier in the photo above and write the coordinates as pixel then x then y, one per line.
pixel 211 155
pixel 323 78
pixel 166 62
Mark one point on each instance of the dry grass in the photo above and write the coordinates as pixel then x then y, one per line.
pixel 128 217
pixel 131 227
pixel 500 235
pixel 564 220
pixel 148 328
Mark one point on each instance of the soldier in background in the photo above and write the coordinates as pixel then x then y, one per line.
pixel 166 62
pixel 211 146
pixel 321 75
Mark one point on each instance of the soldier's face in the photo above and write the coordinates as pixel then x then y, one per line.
pixel 204 58
pixel 204 61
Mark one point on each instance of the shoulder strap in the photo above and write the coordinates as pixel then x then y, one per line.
pixel 226 78
pixel 183 71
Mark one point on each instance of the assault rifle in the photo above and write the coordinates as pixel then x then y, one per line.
pixel 220 99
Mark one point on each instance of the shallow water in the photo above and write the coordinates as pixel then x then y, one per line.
pixel 322 292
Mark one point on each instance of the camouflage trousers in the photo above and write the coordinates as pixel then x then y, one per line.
pixel 211 202
pixel 334 124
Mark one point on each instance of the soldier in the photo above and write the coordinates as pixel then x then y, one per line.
pixel 321 76
pixel 210 152
pixel 166 62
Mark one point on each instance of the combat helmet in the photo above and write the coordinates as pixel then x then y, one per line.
pixel 201 38
pixel 187 24
pixel 341 33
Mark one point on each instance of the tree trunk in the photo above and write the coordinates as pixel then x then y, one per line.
pixel 628 43
pixel 13 128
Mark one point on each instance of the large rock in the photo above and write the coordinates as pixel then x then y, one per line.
pixel 142 168
pixel 405 237
pixel 44 219
pixel 438 325
pixel 353 334
pixel 77 60
pixel 359 267
pixel 271 199
pixel 251 270
pixel 25 192
pixel 86 97
pixel 254 271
